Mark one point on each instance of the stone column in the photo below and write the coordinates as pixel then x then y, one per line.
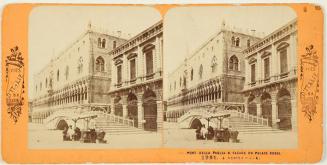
pixel 140 114
pixel 156 56
pixel 125 113
pixel 259 110
pixel 274 61
pixel 258 65
pixel 112 110
pixel 293 54
pixel 124 104
pixel 159 114
pixel 246 108
pixel 274 110
pixel 140 63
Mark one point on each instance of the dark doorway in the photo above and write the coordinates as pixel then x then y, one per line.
pixel 150 111
pixel 266 107
pixel 132 108
pixel 284 110
pixel 196 123
pixel 62 124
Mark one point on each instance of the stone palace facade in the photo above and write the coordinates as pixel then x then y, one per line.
pixel 270 88
pixel 106 73
pixel 211 76
pixel 236 71
pixel 78 79
pixel 136 88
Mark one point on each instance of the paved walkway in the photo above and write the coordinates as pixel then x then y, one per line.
pixel 175 137
pixel 40 137
pixel 170 137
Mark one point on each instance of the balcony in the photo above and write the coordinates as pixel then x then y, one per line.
pixel 252 83
pixel 283 75
pixel 149 76
pixel 118 85
pixel 132 81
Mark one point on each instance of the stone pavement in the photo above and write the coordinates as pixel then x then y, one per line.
pixel 41 138
pixel 175 137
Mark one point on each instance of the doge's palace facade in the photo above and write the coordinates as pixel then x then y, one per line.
pixel 77 79
pixel 212 76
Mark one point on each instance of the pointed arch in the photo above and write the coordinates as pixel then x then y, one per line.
pixel 99 64
pixel 233 63
pixel 214 64
pixel 200 71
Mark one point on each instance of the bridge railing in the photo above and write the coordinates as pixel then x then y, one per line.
pixel 118 119
pixel 252 118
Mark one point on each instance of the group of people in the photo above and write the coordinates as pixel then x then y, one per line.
pixel 203 133
pixel 69 134
pixel 222 135
pixel 89 136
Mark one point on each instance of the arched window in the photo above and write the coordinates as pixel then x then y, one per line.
pixel 248 43
pixel 233 40
pixel 237 42
pixel 191 74
pixel 233 63
pixel 80 65
pixel 99 64
pixel 114 44
pixel 103 45
pixel 50 83
pixel 175 85
pixel 46 82
pixel 67 72
pixel 200 71
pixel 214 64
pixel 58 75
pixel 99 42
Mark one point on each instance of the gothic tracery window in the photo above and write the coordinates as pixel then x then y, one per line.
pixel 80 65
pixel 233 63
pixel 103 44
pixel 58 75
pixel 114 44
pixel 200 71
pixel 237 42
pixel 67 72
pixel 214 64
pixel 99 64
pixel 99 42
pixel 248 43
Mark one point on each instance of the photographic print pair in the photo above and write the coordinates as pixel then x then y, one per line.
pixel 108 77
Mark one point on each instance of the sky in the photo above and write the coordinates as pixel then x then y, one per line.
pixel 52 29
pixel 187 28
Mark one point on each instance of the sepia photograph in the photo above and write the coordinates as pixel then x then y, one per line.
pixel 230 77
pixel 162 83
pixel 95 77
